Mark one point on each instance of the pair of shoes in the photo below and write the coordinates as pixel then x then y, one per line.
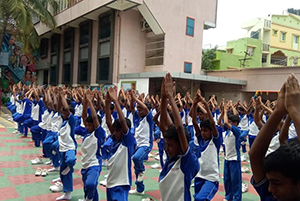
pixel 150 155
pixel 41 172
pixel 36 161
pixel 157 158
pixel 48 162
pixel 57 187
pixel 141 176
pixel 155 166
pixel 245 169
pixel 135 192
pixel 66 196
pixel 147 199
pixel 244 187
pixel 103 182
pixel 56 180
pixel 16 132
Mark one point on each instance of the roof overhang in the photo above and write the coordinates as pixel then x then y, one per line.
pixel 123 5
pixel 176 75
pixel 150 19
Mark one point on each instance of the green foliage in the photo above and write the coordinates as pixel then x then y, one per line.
pixel 16 16
pixel 208 57
pixel 294 11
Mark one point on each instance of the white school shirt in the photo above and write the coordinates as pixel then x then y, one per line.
pixel 89 149
pixel 78 110
pixel 232 144
pixel 209 163
pixel 56 122
pixel 48 123
pixel 292 131
pixel 189 119
pixel 19 106
pixel 183 118
pixel 45 117
pixel 274 144
pixel 12 100
pixel 35 112
pixel 65 140
pixel 244 123
pixel 104 125
pixel 142 132
pixel 253 129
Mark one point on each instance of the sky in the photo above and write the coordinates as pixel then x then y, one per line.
pixel 232 13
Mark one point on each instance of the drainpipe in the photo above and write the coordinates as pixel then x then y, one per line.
pixel 119 45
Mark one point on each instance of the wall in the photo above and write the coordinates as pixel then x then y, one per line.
pixel 262 79
pixel 172 17
pixel 132 43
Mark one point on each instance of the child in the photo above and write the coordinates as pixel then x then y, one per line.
pixel 119 177
pixel 144 139
pixel 277 176
pixel 209 140
pixel 91 144
pixel 232 163
pixel 67 146
pixel 179 170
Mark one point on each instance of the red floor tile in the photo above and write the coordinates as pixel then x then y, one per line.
pixel 11 140
pixel 102 188
pixel 30 156
pixel 8 193
pixel 246 177
pixel 1 174
pixel 155 178
pixel 50 196
pixel 7 135
pixel 77 183
pixel 7 153
pixel 218 197
pixel 2 145
pixel 12 164
pixel 155 194
pixel 3 130
pixel 20 147
pixel 25 179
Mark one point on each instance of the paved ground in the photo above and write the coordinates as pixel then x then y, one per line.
pixel 17 180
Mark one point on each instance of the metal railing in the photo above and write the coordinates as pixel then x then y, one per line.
pixel 266 47
pixel 65 4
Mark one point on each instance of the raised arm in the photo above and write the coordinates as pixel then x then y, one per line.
pixel 111 92
pixel 264 137
pixel 257 116
pixel 210 117
pixel 108 114
pixel 284 132
pixel 141 104
pixel 177 119
pixel 193 112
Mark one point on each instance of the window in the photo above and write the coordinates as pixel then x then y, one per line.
pixel 229 51
pixel 44 48
pixel 187 67
pixel 275 32
pixel 54 61
pixel 282 36
pixel 155 47
pixel 254 34
pixel 105 48
pixel 68 56
pixel 53 73
pixel 250 50
pixel 264 58
pixel 84 52
pixel 295 42
pixel 54 43
pixel 190 24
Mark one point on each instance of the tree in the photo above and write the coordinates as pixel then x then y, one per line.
pixel 208 57
pixel 16 16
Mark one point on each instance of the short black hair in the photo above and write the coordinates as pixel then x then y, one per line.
pixel 241 109
pixel 205 124
pixel 71 109
pixel 148 105
pixel 234 118
pixel 117 125
pixel 171 133
pixel 112 107
pixel 199 110
pixel 89 119
pixel 286 160
pixel 183 102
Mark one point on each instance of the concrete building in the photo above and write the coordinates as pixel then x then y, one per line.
pixel 130 43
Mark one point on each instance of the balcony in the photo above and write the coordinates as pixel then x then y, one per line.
pixel 266 48
pixel 267 24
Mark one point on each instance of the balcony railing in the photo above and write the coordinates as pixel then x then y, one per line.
pixel 282 61
pixel 267 24
pixel 65 4
pixel 266 47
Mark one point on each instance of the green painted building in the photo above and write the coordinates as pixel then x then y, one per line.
pixel 244 52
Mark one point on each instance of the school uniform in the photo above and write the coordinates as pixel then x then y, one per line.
pixel 11 105
pixel 67 148
pixel 144 139
pixel 253 131
pixel 183 117
pixel 39 131
pixel 26 113
pixel 244 126
pixel 92 162
pixel 262 190
pixel 34 118
pixel 119 176
pixel 189 125
pixel 176 176
pixel 49 149
pixel 207 179
pixel 232 165
pixel 78 112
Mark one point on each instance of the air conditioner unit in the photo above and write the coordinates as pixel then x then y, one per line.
pixel 145 26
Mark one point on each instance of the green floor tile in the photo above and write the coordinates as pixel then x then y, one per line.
pixel 15 144
pixel 10 158
pixel 17 171
pixel 33 189
pixel 4 182
pixel 27 151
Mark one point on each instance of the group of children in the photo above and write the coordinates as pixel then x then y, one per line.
pixel 119 127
